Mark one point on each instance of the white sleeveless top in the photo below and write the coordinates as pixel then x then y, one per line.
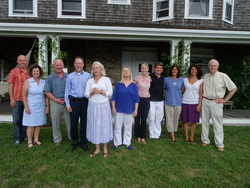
pixel 191 94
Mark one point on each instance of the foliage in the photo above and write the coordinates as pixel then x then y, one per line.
pixel 177 59
pixel 239 72
pixel 156 164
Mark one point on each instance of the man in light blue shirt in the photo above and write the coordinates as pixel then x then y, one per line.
pixel 77 103
pixel 55 88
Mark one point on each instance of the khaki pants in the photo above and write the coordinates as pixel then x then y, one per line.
pixel 172 117
pixel 214 111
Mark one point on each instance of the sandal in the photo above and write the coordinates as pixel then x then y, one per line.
pixel 143 141
pixel 29 145
pixel 192 142
pixel 139 139
pixel 94 154
pixel 37 142
pixel 105 155
pixel 187 141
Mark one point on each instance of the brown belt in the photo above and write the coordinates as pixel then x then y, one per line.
pixel 209 99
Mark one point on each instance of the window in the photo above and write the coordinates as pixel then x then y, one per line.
pixel 23 8
pixel 162 9
pixel 71 9
pixel 121 2
pixel 198 9
pixel 228 11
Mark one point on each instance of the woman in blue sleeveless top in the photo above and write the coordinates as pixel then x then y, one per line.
pixel 36 104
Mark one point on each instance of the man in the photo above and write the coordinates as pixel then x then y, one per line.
pixel 55 88
pixel 156 110
pixel 77 103
pixel 16 80
pixel 214 88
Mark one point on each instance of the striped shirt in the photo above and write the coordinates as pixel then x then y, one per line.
pixel 17 78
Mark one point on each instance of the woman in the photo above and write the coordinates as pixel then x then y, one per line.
pixel 36 104
pixel 192 98
pixel 143 84
pixel 99 120
pixel 125 101
pixel 174 88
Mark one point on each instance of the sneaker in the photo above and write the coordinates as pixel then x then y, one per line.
pixel 204 144
pixel 25 139
pixel 17 143
pixel 57 144
pixel 220 149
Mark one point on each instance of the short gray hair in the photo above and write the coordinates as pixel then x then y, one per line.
pixel 103 72
pixel 213 60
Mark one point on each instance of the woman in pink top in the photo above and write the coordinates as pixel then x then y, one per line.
pixel 143 84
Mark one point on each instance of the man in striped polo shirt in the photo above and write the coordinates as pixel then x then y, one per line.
pixel 16 80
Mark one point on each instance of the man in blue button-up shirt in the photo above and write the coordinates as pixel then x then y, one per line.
pixel 77 103
pixel 55 88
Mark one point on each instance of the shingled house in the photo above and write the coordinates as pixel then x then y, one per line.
pixel 122 33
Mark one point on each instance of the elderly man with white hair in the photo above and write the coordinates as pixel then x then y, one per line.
pixel 214 88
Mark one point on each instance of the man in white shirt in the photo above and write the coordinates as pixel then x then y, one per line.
pixel 214 88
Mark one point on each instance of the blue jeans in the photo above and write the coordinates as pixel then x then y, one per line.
pixel 19 129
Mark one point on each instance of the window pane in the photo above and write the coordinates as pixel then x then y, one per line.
pixel 162 9
pixel 199 7
pixel 71 7
pixel 23 6
pixel 228 12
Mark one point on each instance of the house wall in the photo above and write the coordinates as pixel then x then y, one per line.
pixel 138 14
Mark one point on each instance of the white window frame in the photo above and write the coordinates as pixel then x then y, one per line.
pixel 11 10
pixel 210 14
pixel 224 11
pixel 171 7
pixel 120 2
pixel 60 15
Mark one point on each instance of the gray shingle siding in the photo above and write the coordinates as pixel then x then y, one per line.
pixel 138 14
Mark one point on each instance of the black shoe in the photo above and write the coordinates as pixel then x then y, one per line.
pixel 85 148
pixel 73 150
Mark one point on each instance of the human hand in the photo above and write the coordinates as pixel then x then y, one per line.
pixel 134 114
pixel 12 103
pixel 27 110
pixel 114 111
pixel 46 110
pixel 198 108
pixel 219 100
pixel 69 109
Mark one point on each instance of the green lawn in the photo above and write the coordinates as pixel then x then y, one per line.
pixel 156 164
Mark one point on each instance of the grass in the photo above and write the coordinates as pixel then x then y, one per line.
pixel 156 164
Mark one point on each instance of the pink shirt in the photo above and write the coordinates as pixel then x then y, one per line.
pixel 143 85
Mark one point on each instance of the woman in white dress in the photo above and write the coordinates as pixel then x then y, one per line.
pixel 99 120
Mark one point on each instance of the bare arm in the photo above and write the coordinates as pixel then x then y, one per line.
pixel 183 89
pixel 47 104
pixel 59 101
pixel 113 107
pixel 198 107
pixel 12 100
pixel 136 109
pixel 229 96
pixel 24 96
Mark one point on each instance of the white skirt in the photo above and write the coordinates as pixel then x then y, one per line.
pixel 99 122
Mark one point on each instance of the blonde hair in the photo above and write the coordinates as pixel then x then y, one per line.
pixel 122 80
pixel 103 72
pixel 143 65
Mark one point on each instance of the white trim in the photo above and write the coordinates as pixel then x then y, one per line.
pixel 125 33
pixel 171 7
pixel 210 14
pixel 83 12
pixel 119 2
pixel 12 14
pixel 224 11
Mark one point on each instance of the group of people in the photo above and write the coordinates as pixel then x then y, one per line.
pixel 87 96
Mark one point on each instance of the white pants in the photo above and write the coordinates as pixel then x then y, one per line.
pixel 155 116
pixel 214 111
pixel 127 120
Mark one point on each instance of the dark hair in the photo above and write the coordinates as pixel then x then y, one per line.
pixel 159 64
pixel 33 67
pixel 199 70
pixel 179 70
pixel 78 57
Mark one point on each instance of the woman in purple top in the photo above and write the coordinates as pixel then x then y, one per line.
pixel 174 88
pixel 125 101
